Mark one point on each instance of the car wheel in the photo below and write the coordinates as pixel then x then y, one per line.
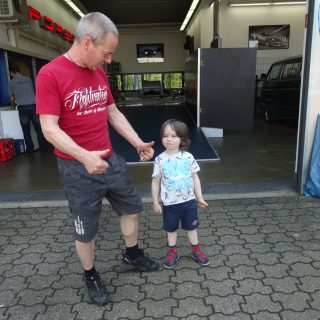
pixel 268 116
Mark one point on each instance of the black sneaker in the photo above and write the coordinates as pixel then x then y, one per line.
pixel 142 263
pixel 97 290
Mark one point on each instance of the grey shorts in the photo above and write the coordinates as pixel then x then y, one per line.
pixel 85 193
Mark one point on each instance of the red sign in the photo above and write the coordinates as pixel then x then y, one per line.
pixel 48 24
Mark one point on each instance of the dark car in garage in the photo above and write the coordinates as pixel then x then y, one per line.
pixel 280 91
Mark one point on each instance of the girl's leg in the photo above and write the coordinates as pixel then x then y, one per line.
pixel 193 237
pixel 196 252
pixel 172 255
pixel 172 238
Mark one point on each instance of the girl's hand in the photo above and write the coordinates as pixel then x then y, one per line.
pixel 157 208
pixel 201 203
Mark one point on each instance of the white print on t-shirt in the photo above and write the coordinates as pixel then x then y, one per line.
pixel 84 98
pixel 79 226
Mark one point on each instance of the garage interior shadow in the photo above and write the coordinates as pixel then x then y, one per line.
pixel 261 158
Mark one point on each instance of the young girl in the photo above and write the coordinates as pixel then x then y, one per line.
pixel 175 178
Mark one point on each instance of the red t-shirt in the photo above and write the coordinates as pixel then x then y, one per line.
pixel 80 98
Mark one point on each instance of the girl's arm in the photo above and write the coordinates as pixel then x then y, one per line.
pixel 155 190
pixel 198 191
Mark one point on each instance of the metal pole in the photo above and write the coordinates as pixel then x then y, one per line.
pixel 217 41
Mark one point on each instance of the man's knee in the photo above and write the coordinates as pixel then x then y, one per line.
pixel 129 224
pixel 130 218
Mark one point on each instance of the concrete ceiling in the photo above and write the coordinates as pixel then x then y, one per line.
pixel 134 12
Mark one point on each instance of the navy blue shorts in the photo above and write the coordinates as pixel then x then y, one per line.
pixel 186 213
pixel 85 193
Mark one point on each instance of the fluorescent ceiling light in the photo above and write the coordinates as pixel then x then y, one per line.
pixel 265 3
pixel 194 4
pixel 189 14
pixel 74 8
pixel 249 4
pixel 284 3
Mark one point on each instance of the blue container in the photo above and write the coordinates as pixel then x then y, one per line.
pixel 19 146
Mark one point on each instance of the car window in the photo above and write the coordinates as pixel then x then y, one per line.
pixel 291 70
pixel 274 72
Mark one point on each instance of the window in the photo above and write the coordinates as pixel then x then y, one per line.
pixel 291 70
pixel 136 81
pixel 132 82
pixel 274 72
pixel 152 76
pixel 173 80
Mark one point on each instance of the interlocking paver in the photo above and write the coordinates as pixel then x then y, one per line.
pixel 57 312
pixel 121 292
pixel 189 289
pixel 243 272
pixel 192 305
pixel 8 297
pixel 30 297
pixel 22 312
pixel 248 286
pixel 158 291
pixel 220 288
pixel 264 252
pixel 296 301
pixel 217 274
pixel 285 284
pixel 266 316
pixel 236 316
pixel 158 309
pixel 269 258
pixel 240 259
pixel 278 270
pixel 309 284
pixel 85 311
pixel 225 305
pixel 39 282
pixel 292 257
pixel 258 302
pixel 14 283
pixel 309 314
pixel 303 269
pixel 253 238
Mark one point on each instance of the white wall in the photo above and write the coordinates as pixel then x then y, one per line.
pixel 174 53
pixel 195 31
pixel 234 25
pixel 41 43
pixel 35 40
pixel 235 22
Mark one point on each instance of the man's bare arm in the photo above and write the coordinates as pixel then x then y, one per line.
pixel 53 133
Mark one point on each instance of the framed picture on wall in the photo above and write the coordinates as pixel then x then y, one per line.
pixel 269 37
pixel 150 53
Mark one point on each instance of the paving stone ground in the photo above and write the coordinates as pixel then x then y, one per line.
pixel 265 265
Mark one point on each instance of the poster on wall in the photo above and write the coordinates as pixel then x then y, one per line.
pixel 150 53
pixel 269 36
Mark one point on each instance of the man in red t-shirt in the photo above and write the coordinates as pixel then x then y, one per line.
pixel 75 106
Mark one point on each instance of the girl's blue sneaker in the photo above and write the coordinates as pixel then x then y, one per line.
pixel 172 258
pixel 199 256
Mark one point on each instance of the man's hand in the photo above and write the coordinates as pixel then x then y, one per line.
pixel 145 150
pixel 94 162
